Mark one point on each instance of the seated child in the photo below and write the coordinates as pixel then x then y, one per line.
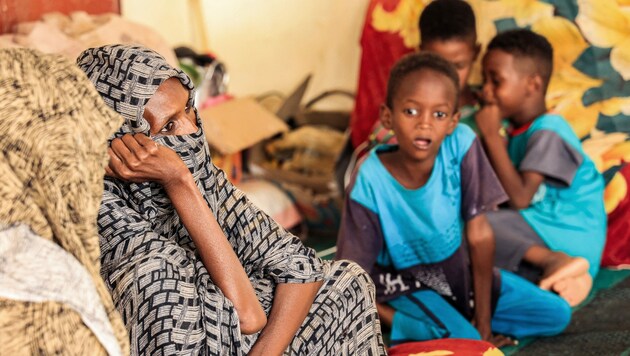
pixel 556 231
pixel 410 205
pixel 447 28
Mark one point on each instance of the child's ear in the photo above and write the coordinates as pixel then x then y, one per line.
pixel 535 83
pixel 454 121
pixel 386 116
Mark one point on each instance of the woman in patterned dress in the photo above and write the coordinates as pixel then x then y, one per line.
pixel 193 266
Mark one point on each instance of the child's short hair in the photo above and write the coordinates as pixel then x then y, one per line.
pixel 447 20
pixel 524 43
pixel 419 61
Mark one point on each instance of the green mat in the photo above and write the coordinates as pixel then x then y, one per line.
pixel 600 325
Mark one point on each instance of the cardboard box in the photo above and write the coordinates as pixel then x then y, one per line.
pixel 237 124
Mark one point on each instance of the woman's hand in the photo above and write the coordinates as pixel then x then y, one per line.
pixel 137 158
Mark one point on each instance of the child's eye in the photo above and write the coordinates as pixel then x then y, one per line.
pixel 168 127
pixel 410 112
pixel 439 115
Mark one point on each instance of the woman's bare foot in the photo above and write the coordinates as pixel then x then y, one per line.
pixel 574 290
pixel 560 266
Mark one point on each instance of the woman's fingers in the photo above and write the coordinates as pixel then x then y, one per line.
pixel 134 146
pixel 145 141
pixel 121 150
pixel 115 166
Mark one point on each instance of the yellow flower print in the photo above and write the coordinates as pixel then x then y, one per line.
pixel 524 12
pixel 403 20
pixel 567 84
pixel 527 12
pixel 606 24
pixel 608 150
pixel 605 149
pixel 434 353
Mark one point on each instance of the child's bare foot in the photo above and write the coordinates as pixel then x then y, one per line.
pixel 560 266
pixel 574 290
pixel 501 341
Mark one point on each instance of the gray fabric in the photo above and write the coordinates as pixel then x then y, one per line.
pixel 481 189
pixel 514 237
pixel 57 276
pixel 551 156
pixel 165 294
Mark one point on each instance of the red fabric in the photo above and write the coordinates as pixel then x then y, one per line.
pixel 617 250
pixel 380 50
pixel 462 347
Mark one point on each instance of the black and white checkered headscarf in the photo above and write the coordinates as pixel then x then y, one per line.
pixel 127 77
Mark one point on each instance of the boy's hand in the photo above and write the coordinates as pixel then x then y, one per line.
pixel 500 341
pixel 483 326
pixel 489 120
pixel 484 329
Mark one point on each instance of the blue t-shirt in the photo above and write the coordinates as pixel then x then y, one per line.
pixel 567 211
pixel 411 238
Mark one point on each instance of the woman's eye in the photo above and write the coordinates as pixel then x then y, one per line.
pixel 188 108
pixel 168 127
pixel 410 112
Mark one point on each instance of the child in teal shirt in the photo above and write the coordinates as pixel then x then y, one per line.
pixel 555 232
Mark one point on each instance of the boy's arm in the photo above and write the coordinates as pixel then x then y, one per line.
pixel 481 249
pixel 519 186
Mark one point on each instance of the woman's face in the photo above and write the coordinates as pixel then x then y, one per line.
pixel 168 112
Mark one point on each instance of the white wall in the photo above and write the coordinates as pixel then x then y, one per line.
pixel 268 44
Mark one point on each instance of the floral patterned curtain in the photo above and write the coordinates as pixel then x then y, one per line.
pixel 590 85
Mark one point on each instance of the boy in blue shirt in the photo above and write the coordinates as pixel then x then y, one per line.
pixel 556 231
pixel 408 209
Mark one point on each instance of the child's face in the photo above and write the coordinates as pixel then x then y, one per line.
pixel 503 83
pixel 423 113
pixel 461 53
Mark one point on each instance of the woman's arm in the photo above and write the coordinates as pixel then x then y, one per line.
pixel 291 304
pixel 519 186
pixel 139 159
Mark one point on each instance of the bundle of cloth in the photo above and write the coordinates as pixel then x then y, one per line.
pixel 53 144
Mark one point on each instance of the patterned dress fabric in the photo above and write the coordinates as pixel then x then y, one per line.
pixel 53 149
pixel 162 289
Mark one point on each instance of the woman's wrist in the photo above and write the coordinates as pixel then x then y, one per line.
pixel 180 179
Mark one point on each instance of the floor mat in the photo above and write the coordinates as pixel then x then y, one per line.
pixel 600 326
